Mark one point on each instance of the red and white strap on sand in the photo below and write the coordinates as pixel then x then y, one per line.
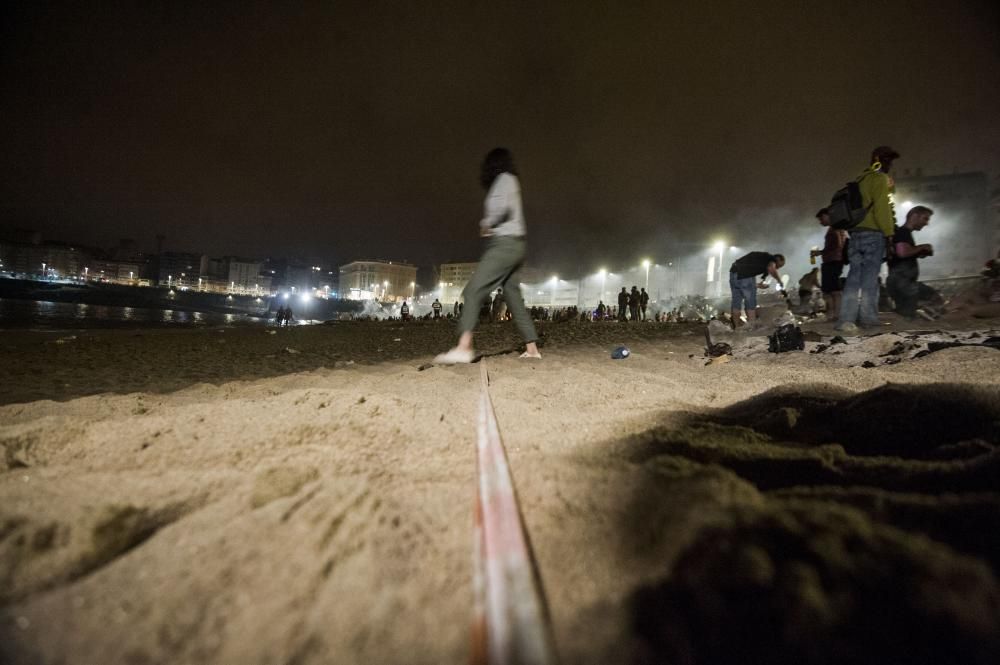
pixel 511 623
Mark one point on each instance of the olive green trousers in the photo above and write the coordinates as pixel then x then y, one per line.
pixel 503 256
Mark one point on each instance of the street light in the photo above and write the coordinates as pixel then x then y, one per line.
pixel 645 264
pixel 604 277
pixel 555 283
pixel 413 290
pixel 719 247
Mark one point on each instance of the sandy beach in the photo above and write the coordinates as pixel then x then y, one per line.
pixel 305 496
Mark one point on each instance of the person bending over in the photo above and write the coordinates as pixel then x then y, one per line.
pixel 742 282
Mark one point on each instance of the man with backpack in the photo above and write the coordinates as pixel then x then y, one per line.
pixel 870 239
pixel 436 306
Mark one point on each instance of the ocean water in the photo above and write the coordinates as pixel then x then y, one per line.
pixel 56 315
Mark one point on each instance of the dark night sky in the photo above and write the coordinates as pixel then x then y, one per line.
pixel 338 130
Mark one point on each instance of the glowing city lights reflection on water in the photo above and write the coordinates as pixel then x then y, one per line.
pixel 55 315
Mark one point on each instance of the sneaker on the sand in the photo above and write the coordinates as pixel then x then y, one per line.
pixel 455 357
pixel 536 356
pixel 847 327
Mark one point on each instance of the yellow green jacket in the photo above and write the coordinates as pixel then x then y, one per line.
pixel 876 191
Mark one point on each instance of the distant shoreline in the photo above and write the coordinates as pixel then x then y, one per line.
pixel 114 295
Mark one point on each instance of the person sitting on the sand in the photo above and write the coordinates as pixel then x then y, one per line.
pixel 903 269
pixel 808 285
pixel 991 273
pixel 495 308
pixel 992 268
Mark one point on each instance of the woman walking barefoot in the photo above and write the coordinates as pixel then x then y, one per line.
pixel 503 226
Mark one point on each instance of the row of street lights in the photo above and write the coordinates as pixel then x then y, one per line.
pixel 716 266
pixel 385 290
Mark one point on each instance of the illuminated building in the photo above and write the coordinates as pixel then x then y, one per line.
pixel 178 269
pixel 386 281
pixel 53 260
pixel 232 275
pixel 452 279
pixel 118 272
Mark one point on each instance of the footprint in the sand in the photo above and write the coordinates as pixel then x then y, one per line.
pixel 35 556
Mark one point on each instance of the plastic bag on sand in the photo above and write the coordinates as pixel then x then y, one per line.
pixel 786 319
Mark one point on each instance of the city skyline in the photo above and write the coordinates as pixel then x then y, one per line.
pixel 963 230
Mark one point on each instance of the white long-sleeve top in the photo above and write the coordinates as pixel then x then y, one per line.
pixel 502 212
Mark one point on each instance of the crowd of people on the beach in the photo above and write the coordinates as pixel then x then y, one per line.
pixel 688 309
pixel 861 233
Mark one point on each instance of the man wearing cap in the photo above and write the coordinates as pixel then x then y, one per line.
pixel 868 243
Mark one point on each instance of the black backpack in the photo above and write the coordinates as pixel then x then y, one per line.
pixel 847 208
pixel 788 337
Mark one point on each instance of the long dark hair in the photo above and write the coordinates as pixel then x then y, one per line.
pixel 497 161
